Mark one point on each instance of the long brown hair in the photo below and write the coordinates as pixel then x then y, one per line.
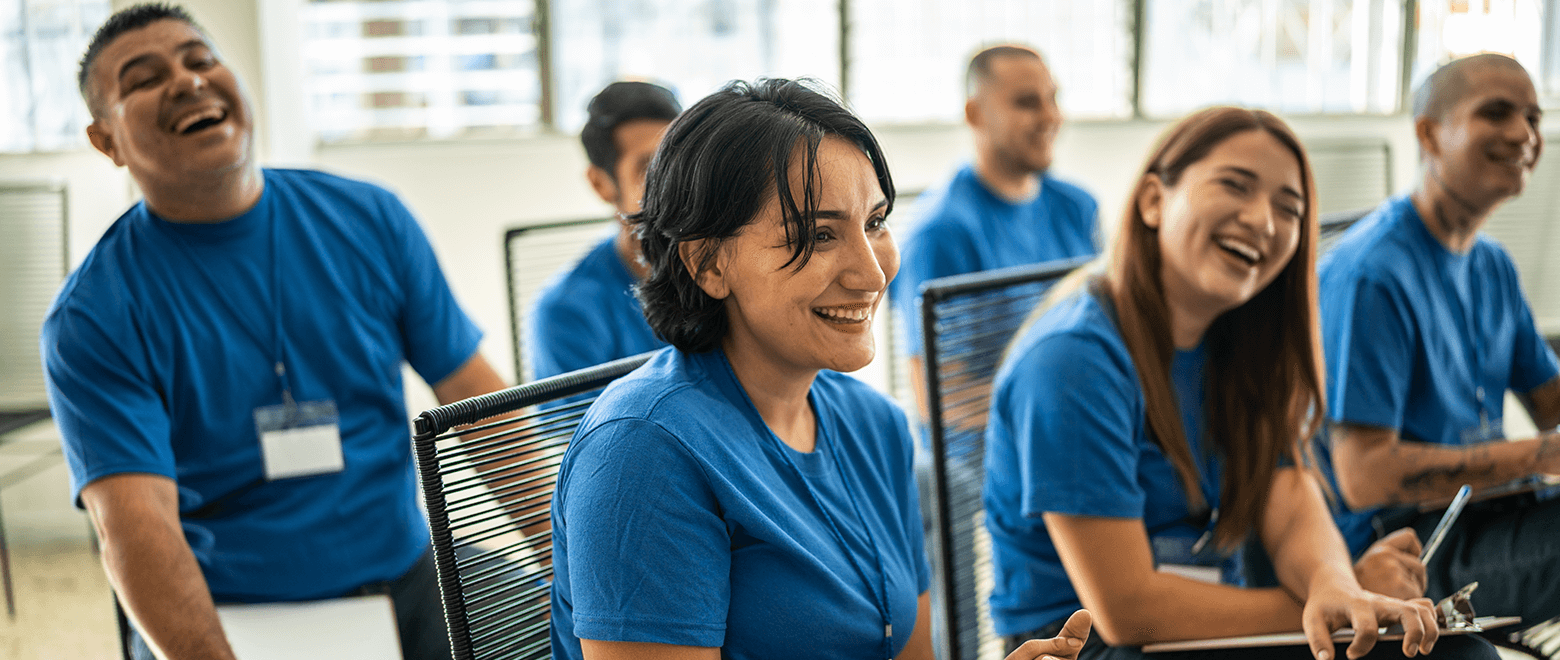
pixel 1264 368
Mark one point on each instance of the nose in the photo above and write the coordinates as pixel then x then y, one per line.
pixel 186 81
pixel 870 263
pixel 1520 132
pixel 1258 215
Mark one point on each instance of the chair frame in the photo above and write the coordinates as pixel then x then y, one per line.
pixel 431 426
pixel 518 307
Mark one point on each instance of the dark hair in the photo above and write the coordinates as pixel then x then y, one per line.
pixel 1264 371
pixel 979 70
pixel 130 18
pixel 1449 83
pixel 618 103
pixel 715 170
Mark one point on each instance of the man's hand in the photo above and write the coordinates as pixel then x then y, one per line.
pixel 1391 566
pixel 1064 646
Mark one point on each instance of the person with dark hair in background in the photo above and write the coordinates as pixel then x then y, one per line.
pixel 225 365
pixel 1152 416
pixel 1004 209
pixel 737 496
pixel 1426 328
pixel 587 315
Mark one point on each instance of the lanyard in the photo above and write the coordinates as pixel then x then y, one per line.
pixel 1466 309
pixel 277 343
pixel 880 593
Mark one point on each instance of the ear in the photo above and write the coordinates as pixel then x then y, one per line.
pixel 602 183
pixel 711 279
pixel 103 141
pixel 1425 132
pixel 972 112
pixel 1150 200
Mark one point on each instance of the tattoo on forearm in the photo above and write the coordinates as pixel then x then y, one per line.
pixel 1420 481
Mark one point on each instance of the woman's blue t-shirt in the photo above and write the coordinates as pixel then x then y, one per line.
pixel 680 518
pixel 1068 434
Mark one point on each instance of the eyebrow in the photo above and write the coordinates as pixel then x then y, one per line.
pixel 1253 175
pixel 142 59
pixel 831 214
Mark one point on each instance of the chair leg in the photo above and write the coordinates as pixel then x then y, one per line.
pixel 5 571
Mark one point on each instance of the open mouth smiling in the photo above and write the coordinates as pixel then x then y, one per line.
pixel 1241 250
pixel 845 314
pixel 199 120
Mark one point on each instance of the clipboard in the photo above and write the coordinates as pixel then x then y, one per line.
pixel 354 628
pixel 1342 636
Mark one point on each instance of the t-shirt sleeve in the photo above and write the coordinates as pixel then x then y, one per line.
pixel 110 414
pixel 563 337
pixel 439 336
pixel 649 557
pixel 1369 346
pixel 938 250
pixel 1074 425
pixel 1533 362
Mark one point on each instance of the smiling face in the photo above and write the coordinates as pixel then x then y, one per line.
pixel 1486 145
pixel 1228 226
pixel 1014 113
pixel 787 321
pixel 167 108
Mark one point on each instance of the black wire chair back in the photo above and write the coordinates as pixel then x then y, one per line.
pixel 488 467
pixel 967 322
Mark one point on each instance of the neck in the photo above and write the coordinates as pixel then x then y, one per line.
pixel 779 395
pixel 1007 182
pixel 627 247
pixel 214 199
pixel 1189 321
pixel 1452 219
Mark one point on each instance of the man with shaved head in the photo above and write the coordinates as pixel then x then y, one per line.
pixel 1425 329
pixel 1004 209
pixel 225 365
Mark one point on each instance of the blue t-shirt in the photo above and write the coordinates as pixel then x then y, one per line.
pixel 962 227
pixel 588 315
pixel 162 344
pixel 681 519
pixel 1421 339
pixel 1068 433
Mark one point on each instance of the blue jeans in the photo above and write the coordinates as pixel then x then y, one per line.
pixel 419 614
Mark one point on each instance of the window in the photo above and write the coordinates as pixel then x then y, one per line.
pixel 40 106
pixel 420 68
pixel 1453 28
pixel 693 47
pixel 1294 56
pixel 907 59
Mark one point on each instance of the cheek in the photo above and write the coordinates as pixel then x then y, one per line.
pixel 887 252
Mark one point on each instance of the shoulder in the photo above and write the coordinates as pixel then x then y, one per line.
pixel 668 390
pixel 1070 197
pixel 1374 249
pixel 1075 339
pixel 857 397
pixel 316 180
pixel 100 285
pixel 947 208
pixel 583 282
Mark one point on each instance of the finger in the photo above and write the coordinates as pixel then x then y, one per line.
pixel 1065 645
pixel 1365 634
pixel 1317 634
pixel 1413 631
pixel 1077 626
pixel 1405 540
pixel 1426 610
pixel 1416 573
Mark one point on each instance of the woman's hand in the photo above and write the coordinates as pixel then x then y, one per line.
pixel 1064 646
pixel 1331 607
pixel 1391 566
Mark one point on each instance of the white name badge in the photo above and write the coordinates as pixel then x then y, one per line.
pixel 357 628
pixel 299 440
pixel 1209 574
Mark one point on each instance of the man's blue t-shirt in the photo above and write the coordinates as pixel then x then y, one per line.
pixel 1421 339
pixel 160 347
pixel 588 315
pixel 1068 433
pixel 680 518
pixel 962 227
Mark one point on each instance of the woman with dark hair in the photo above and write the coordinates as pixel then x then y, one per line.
pixel 736 496
pixel 1151 418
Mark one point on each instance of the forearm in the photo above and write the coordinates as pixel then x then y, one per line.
pixel 157 579
pixel 1301 538
pixel 1169 607
pixel 1405 472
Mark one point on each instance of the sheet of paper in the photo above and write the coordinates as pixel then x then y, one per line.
pixel 358 628
pixel 1298 638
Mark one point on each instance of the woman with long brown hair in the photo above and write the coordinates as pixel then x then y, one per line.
pixel 1145 425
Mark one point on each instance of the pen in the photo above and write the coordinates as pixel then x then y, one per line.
pixel 1441 528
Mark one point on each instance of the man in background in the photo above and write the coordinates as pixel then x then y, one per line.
pixel 1425 328
pixel 1004 209
pixel 588 315
pixel 225 365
